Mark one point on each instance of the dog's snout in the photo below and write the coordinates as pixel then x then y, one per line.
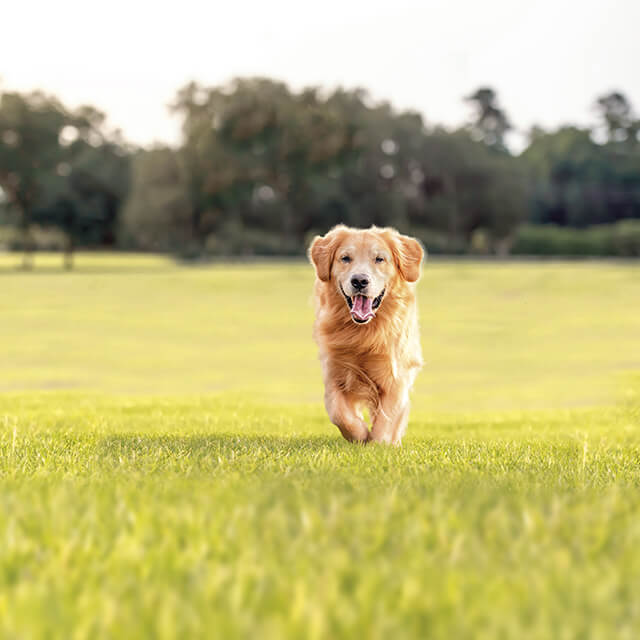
pixel 359 281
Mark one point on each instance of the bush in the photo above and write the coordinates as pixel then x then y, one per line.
pixel 619 239
pixel 437 242
pixel 235 239
pixel 8 237
pixel 42 238
pixel 626 238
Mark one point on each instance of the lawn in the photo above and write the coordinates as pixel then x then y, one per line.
pixel 167 468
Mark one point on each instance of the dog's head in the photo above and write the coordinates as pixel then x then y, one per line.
pixel 365 265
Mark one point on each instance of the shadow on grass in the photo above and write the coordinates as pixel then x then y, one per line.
pixel 220 443
pixel 249 455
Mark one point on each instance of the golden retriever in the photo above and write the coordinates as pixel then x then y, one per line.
pixel 366 328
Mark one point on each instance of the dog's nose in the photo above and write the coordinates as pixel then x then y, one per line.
pixel 359 281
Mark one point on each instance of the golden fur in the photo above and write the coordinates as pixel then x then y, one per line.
pixel 370 365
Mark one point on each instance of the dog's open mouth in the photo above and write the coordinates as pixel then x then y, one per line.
pixel 363 309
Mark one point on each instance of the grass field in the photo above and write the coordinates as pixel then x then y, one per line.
pixel 167 469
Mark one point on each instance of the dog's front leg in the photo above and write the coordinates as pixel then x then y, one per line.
pixel 390 421
pixel 342 413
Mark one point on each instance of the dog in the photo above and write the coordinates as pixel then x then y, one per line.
pixel 366 328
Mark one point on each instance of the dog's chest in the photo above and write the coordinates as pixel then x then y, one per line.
pixel 381 369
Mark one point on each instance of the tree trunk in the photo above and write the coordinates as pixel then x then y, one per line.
pixel 27 248
pixel 68 253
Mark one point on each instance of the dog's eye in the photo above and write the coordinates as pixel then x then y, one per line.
pixel 379 259
pixel 345 259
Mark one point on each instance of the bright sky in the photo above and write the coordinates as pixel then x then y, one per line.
pixel 547 59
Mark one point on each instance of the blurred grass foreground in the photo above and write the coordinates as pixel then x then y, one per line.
pixel 167 468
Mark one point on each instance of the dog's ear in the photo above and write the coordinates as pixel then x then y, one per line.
pixel 322 251
pixel 408 255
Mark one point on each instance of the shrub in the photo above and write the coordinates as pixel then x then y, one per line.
pixel 619 239
pixel 626 238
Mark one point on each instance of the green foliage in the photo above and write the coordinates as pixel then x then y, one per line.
pixel 171 473
pixel 157 213
pixel 265 167
pixel 470 187
pixel 621 124
pixel 261 168
pixel 60 168
pixel 626 238
pixel 577 182
pixel 621 239
pixel 30 127
pixel 252 149
pixel 491 123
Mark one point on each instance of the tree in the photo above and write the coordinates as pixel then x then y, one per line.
pixel 60 168
pixel 619 121
pixel 491 123
pixel 471 190
pixel 157 214
pixel 264 167
pixel 251 150
pixel 576 182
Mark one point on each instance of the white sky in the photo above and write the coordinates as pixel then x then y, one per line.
pixel 547 59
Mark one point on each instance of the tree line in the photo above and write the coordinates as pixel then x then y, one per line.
pixel 260 168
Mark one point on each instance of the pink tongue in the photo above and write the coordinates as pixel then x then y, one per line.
pixel 361 308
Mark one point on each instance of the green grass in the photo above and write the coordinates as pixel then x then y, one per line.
pixel 167 468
